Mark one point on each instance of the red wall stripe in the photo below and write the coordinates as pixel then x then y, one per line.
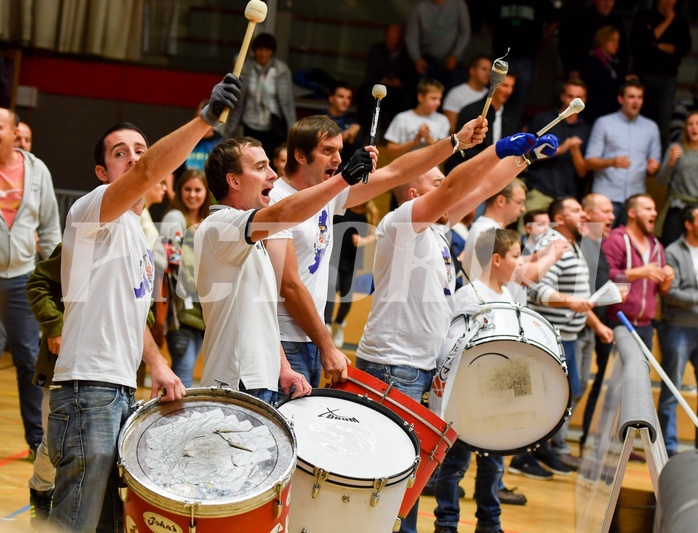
pixel 116 81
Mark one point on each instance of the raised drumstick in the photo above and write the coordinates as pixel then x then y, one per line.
pixel 255 12
pixel 575 107
pixel 378 92
pixel 498 72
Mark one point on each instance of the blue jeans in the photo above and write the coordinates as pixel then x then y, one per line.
pixel 83 431
pixel 487 482
pixel 23 340
pixel 304 358
pixel 266 395
pixel 413 382
pixel 572 368
pixel 679 346
pixel 183 366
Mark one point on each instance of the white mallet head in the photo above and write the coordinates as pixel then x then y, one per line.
pixel 256 11
pixel 379 91
pixel 575 106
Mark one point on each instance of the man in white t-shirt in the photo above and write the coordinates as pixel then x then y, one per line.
pixel 471 91
pixel 421 126
pixel 412 305
pixel 234 276
pixel 301 256
pixel 107 276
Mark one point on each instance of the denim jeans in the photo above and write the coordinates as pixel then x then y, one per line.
pixel 266 395
pixel 304 358
pixel 183 366
pixel 43 474
pixel 23 341
pixel 83 431
pixel 490 469
pixel 413 382
pixel 603 352
pixel 679 346
pixel 559 439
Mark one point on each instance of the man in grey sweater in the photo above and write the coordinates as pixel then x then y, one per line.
pixel 28 208
pixel 678 333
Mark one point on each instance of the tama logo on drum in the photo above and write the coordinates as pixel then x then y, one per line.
pixel 331 415
pixel 160 524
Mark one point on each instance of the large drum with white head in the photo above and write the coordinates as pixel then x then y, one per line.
pixel 355 461
pixel 504 382
pixel 216 460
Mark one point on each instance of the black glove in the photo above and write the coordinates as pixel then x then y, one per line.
pixel 224 94
pixel 358 166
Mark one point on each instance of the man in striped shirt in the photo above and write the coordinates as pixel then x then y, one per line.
pixel 562 297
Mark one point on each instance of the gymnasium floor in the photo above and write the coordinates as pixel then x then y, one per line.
pixel 550 507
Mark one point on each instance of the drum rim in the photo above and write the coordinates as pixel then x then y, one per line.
pixel 210 508
pixel 448 434
pixel 351 481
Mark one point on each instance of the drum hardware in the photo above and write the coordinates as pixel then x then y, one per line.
pixel 387 392
pixel 346 498
pixel 278 504
pixel 398 524
pixel 221 384
pixel 442 437
pixel 192 505
pixel 379 485
pixel 320 476
pixel 413 477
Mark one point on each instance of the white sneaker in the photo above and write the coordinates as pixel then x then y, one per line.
pixel 338 334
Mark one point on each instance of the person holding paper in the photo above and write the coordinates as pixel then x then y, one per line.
pixel 562 297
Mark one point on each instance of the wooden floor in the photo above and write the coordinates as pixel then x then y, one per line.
pixel 550 507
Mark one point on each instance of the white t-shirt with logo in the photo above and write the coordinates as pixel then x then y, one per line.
pixel 312 242
pixel 412 304
pixel 405 126
pixel 237 288
pixel 107 277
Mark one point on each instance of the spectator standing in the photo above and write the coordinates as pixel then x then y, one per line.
pixel 27 207
pixel 502 120
pixel 678 118
pixel 267 108
pixel 678 331
pixel 24 137
pixel 624 147
pixel 577 33
pixel 185 324
pixel 437 33
pixel 352 136
pixel 636 256
pixel 599 215
pixel 660 38
pixel 679 170
pixel 522 27
pixel 421 126
pixel 471 91
pixel 389 64
pixel 602 73
pixel 559 176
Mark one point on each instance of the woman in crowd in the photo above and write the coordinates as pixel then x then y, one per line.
pixel 601 72
pixel 679 170
pixel 185 324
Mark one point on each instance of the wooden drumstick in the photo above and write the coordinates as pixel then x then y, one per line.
pixel 498 72
pixel 255 12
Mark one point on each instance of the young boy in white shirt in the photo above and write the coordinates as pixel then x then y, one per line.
pixel 501 264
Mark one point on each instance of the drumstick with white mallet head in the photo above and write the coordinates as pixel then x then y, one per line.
pixel 378 92
pixel 498 72
pixel 575 107
pixel 255 13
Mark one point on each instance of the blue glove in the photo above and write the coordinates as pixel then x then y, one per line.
pixel 517 144
pixel 546 146
pixel 224 94
pixel 358 166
